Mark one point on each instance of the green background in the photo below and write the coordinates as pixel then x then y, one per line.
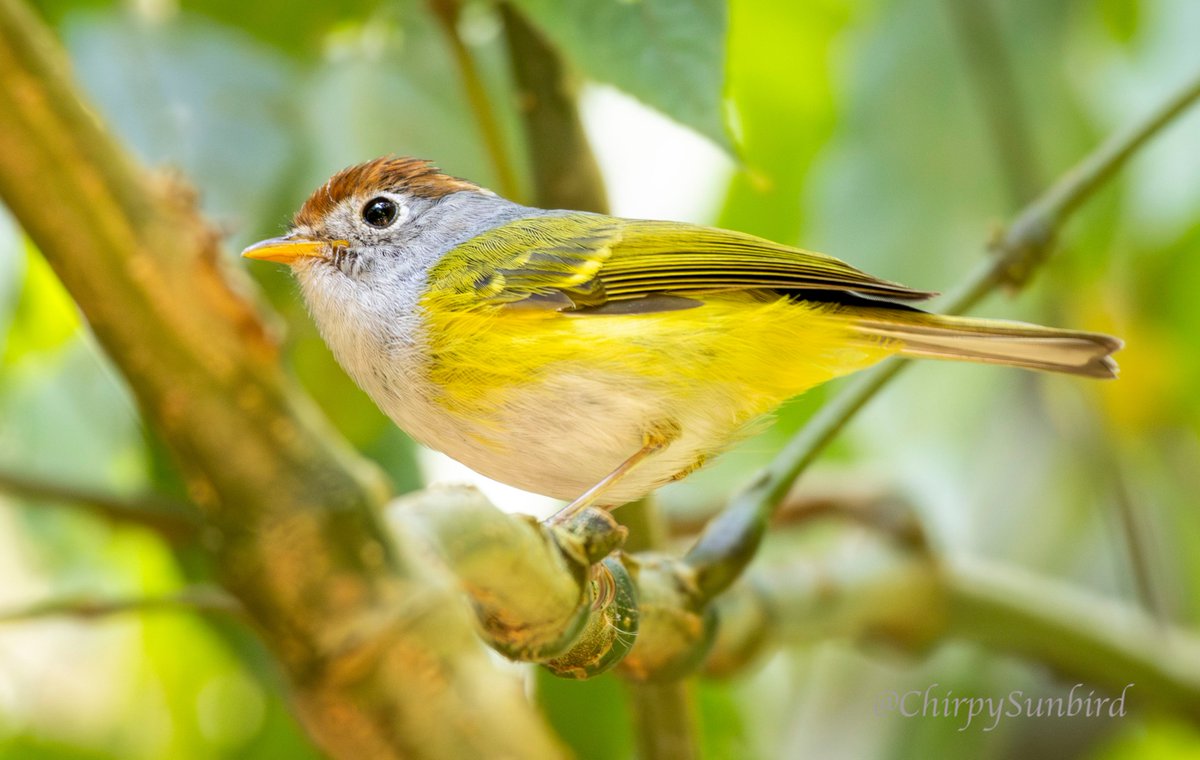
pixel 861 128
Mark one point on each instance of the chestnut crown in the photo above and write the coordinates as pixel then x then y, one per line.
pixel 412 177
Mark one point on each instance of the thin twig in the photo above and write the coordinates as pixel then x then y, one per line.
pixel 1133 530
pixel 92 606
pixel 999 99
pixel 175 521
pixel 563 168
pixel 998 95
pixel 722 551
pixel 447 13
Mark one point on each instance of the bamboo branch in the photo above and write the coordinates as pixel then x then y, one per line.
pixel 730 542
pixel 172 520
pixel 664 720
pixel 879 593
pixel 537 590
pixel 378 647
pixel 662 708
pixel 886 590
pixel 1080 636
pixel 566 176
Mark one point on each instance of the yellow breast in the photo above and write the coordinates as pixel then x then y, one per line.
pixel 552 401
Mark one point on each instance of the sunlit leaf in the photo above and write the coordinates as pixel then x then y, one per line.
pixel 781 93
pixel 280 23
pixel 670 54
pixel 45 317
pixel 1121 17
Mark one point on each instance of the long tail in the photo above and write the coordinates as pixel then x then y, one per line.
pixel 992 341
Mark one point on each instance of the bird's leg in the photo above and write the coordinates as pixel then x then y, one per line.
pixel 654 441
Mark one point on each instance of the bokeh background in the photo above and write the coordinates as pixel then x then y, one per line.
pixel 871 129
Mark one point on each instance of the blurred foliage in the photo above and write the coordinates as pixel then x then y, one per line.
pixel 855 127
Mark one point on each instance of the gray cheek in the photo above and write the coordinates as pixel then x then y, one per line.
pixel 355 266
pixel 340 227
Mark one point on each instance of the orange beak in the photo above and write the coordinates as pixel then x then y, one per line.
pixel 287 249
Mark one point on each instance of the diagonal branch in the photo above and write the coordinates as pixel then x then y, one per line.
pixel 996 89
pixel 731 540
pixel 447 13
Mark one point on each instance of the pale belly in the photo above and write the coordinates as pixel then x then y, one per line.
pixel 561 436
pixel 553 422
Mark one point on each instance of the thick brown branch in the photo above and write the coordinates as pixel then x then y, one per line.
pixel 379 650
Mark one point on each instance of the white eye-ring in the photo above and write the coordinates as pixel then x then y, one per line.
pixel 384 211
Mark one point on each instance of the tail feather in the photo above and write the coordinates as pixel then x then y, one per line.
pixel 1018 344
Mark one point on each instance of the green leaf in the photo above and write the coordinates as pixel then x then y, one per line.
pixel 722 730
pixel 32 745
pixel 55 11
pixel 193 95
pixel 277 21
pixel 1122 18
pixel 45 317
pixel 781 93
pixel 1157 738
pixel 670 54
pixel 591 717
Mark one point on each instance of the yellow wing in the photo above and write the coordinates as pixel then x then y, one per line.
pixel 589 262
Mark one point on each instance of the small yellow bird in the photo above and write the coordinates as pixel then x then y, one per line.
pixel 592 358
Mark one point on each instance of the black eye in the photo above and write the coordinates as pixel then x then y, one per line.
pixel 380 212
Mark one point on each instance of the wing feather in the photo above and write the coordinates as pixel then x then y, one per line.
pixel 594 260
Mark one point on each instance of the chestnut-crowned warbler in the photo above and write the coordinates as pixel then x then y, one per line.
pixel 593 358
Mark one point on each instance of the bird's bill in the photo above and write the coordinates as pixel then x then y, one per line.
pixel 287 250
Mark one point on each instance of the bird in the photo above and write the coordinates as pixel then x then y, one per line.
pixel 594 358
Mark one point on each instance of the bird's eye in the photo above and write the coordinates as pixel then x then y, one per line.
pixel 380 212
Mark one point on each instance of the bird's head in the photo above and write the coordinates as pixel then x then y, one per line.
pixel 363 216
pixel 363 245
